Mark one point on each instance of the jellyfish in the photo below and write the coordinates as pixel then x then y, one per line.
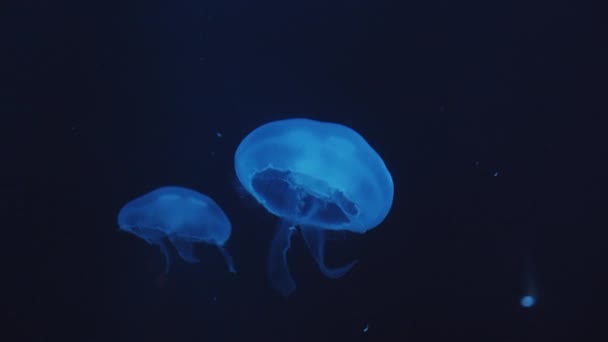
pixel 317 176
pixel 181 216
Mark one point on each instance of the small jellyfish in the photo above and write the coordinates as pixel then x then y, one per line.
pixel 315 175
pixel 182 216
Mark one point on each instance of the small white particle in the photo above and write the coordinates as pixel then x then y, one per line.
pixel 218 134
pixel 496 174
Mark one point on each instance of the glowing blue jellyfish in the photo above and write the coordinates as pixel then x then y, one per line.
pixel 315 175
pixel 527 301
pixel 181 215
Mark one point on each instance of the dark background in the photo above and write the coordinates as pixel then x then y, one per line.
pixel 488 115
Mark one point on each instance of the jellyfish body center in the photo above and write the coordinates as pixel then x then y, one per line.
pixel 300 198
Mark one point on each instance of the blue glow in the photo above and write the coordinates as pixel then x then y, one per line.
pixel 527 301
pixel 315 175
pixel 183 216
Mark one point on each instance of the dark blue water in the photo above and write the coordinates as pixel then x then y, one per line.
pixel 487 115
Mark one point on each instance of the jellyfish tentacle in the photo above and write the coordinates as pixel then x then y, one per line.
pixel 315 240
pixel 278 269
pixel 184 248
pixel 227 258
pixel 165 252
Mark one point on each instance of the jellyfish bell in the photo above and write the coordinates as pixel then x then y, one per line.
pixel 316 175
pixel 293 166
pixel 180 215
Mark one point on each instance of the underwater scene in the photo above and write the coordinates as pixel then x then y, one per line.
pixel 303 171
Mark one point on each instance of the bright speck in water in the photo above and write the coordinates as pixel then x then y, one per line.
pixel 527 301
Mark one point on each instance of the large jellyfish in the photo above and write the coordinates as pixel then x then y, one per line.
pixel 317 176
pixel 181 215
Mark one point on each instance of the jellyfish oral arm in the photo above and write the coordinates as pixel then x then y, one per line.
pixel 165 252
pixel 228 259
pixel 315 240
pixel 184 248
pixel 278 269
